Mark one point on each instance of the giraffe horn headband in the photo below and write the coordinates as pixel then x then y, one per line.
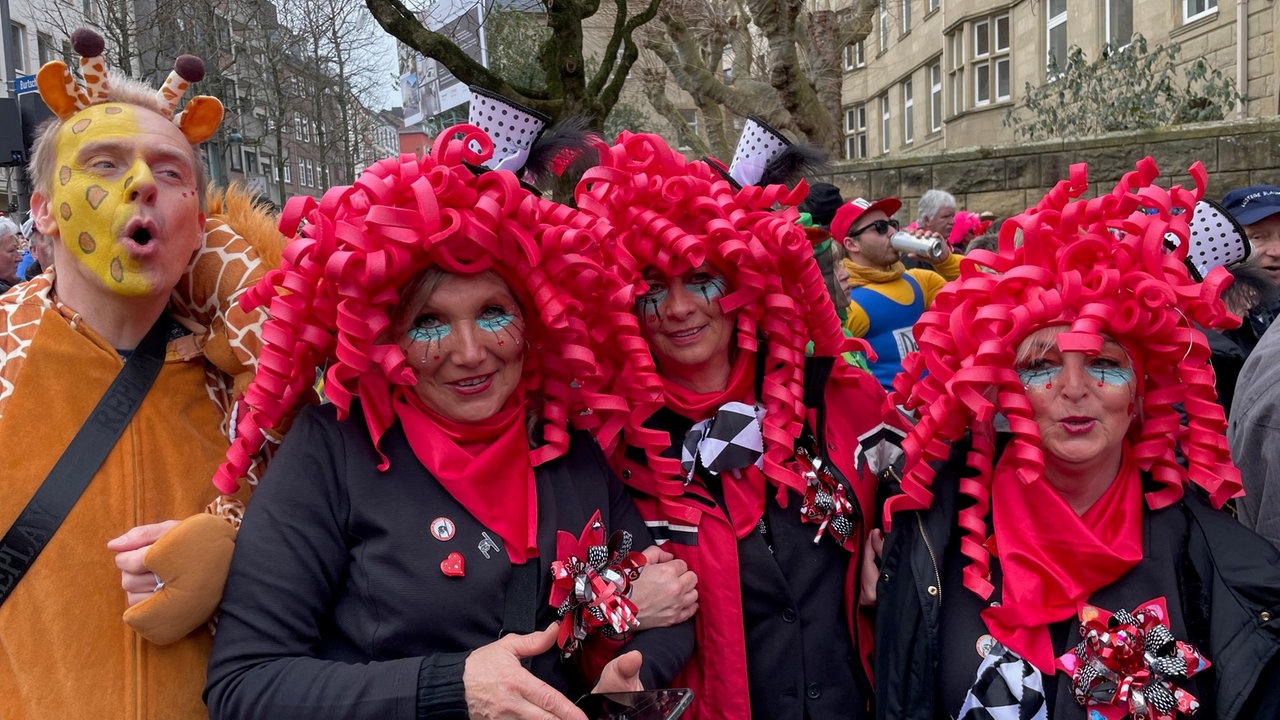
pixel 65 95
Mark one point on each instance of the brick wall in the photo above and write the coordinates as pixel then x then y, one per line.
pixel 1007 179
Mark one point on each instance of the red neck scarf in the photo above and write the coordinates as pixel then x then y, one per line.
pixel 698 406
pixel 1052 559
pixel 743 488
pixel 485 466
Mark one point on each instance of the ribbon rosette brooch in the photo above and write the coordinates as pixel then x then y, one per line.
pixel 1129 664
pixel 591 584
pixel 826 503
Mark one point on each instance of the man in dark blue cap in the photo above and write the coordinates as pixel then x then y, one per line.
pixel 1253 431
pixel 1257 208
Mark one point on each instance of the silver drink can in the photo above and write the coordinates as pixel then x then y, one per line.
pixel 924 247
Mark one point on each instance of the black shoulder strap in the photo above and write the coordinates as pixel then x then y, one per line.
pixel 520 613
pixel 70 476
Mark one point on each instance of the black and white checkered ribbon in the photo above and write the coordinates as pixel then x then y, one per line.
pixel 729 440
pixel 1006 687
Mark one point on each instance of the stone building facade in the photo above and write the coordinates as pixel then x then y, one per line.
pixel 938 75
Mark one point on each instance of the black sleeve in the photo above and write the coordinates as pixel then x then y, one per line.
pixel 441 695
pixel 1264 701
pixel 665 650
pixel 291 557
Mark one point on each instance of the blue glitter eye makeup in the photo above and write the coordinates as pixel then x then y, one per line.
pixel 434 333
pixel 708 287
pixel 1038 376
pixel 648 303
pixel 1043 376
pixel 1111 375
pixel 494 319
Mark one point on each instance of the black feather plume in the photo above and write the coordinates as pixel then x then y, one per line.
pixel 794 162
pixel 559 146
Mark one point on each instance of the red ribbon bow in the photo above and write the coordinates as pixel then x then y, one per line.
pixel 1129 664
pixel 591 582
pixel 826 501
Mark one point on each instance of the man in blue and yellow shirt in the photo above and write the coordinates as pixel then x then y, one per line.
pixel 885 299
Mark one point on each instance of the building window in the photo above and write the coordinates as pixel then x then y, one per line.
pixel 1056 30
pixel 885 124
pixel 250 162
pixel 229 93
pixel 955 71
pixel 908 113
pixel 906 16
pixel 288 172
pixel 981 84
pixel 1196 9
pixel 1002 62
pixel 935 96
pixel 302 128
pixel 884 28
pixel 854 57
pixel 1119 22
pixel 931 5
pixel 237 161
pixel 44 48
pixel 981 39
pixel 86 10
pixel 268 169
pixel 18 34
pixel 991 61
pixel 855 129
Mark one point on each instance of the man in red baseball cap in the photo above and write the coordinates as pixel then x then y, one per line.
pixel 886 299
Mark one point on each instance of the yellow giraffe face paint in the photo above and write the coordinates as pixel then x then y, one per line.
pixel 124 198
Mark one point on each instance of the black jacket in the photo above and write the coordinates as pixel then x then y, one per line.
pixel 1239 590
pixel 338 606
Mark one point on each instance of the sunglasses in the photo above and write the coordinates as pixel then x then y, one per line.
pixel 881 227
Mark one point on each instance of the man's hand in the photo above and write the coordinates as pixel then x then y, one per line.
pixel 870 571
pixel 931 235
pixel 131 548
pixel 622 674
pixel 666 593
pixel 497 686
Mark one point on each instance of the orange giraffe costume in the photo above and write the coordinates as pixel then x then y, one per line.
pixel 70 647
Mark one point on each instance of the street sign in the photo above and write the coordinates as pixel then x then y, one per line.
pixel 24 84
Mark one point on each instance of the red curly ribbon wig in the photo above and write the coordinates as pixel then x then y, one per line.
pixel 1099 267
pixel 674 215
pixel 340 280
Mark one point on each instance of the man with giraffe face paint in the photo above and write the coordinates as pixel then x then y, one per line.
pixel 125 206
pixel 111 619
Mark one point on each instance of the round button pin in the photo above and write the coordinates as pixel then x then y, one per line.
pixel 443 528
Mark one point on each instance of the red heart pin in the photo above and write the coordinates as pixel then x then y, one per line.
pixel 454 565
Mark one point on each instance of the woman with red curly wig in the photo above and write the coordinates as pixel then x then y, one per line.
pixel 762 488
pixel 414 543
pixel 1057 550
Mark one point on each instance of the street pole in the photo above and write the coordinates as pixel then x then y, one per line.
pixel 7 39
pixel 10 91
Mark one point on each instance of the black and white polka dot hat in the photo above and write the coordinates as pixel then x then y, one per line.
pixel 512 127
pixel 1217 240
pixel 757 145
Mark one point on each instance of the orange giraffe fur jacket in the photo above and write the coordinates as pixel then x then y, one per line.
pixel 69 647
